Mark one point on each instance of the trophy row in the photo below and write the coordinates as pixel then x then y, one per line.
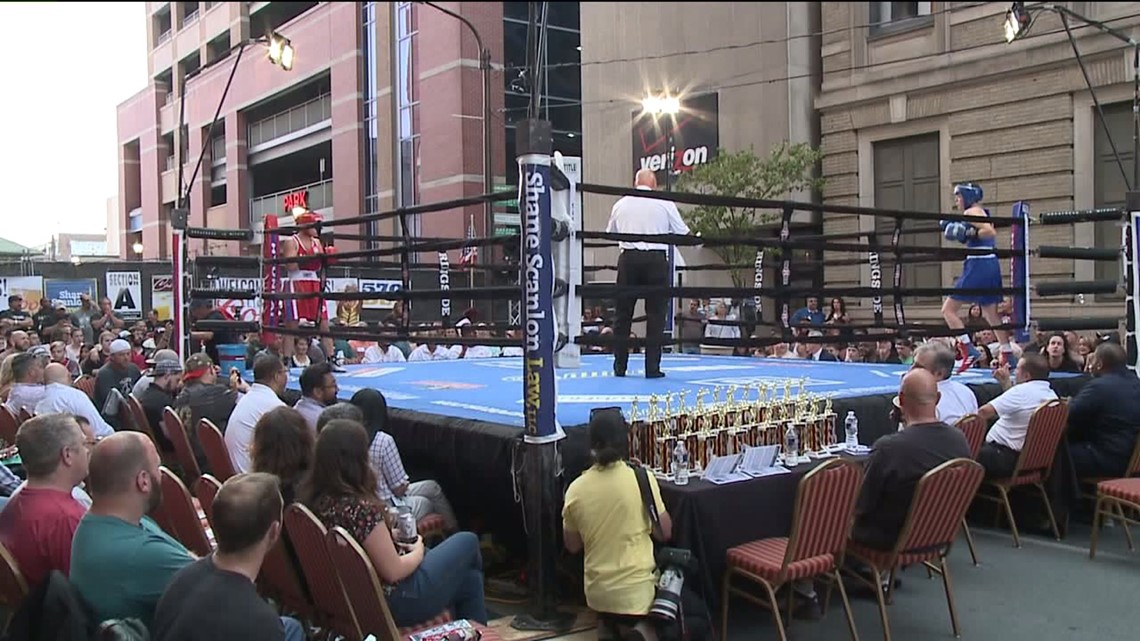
pixel 728 425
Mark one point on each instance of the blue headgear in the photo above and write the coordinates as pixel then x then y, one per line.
pixel 971 193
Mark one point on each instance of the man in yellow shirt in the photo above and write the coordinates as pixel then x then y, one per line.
pixel 604 514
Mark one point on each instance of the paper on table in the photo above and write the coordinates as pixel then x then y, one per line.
pixel 722 469
pixel 771 471
pixel 757 459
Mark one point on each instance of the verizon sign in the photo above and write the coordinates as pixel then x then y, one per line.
pixel 695 134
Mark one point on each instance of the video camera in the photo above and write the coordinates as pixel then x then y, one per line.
pixel 673 563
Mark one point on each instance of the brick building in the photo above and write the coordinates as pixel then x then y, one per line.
pixel 916 96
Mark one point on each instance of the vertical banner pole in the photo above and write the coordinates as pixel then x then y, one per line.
pixel 271 310
pixel 1019 270
pixel 1132 277
pixel 180 304
pixel 541 485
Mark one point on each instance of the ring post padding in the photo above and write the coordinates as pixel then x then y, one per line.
pixel 785 270
pixel 896 296
pixel 178 282
pixel 1131 265
pixel 758 282
pixel 444 286
pixel 874 261
pixel 564 208
pixel 271 310
pixel 1019 270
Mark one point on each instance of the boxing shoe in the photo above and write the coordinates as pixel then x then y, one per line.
pixel 968 355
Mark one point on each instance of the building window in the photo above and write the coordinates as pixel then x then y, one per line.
pixel 907 177
pixel 1109 186
pixel 407 110
pixel 888 14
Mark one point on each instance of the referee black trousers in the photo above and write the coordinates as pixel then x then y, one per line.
pixel 641 268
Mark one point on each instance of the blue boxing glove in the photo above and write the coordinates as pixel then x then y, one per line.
pixel 943 224
pixel 951 230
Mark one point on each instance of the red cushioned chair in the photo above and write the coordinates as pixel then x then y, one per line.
pixel 308 536
pixel 825 502
pixel 180 512
pixel 9 425
pixel 24 415
pixel 13 586
pixel 940 501
pixel 1115 499
pixel 183 451
pixel 217 454
pixel 358 577
pixel 974 428
pixel 86 384
pixel 137 417
pixel 206 489
pixel 1034 462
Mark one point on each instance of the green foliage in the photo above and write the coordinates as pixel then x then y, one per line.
pixel 789 167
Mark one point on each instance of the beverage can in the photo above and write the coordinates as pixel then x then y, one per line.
pixel 406 526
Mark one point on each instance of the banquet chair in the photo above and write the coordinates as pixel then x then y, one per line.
pixel 1034 462
pixel 183 451
pixel 217 454
pixel 13 586
pixel 179 512
pixel 940 501
pixel 206 489
pixel 24 415
pixel 358 577
pixel 86 384
pixel 974 428
pixel 1119 499
pixel 308 536
pixel 821 523
pixel 9 425
pixel 137 417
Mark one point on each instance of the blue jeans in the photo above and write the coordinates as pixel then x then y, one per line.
pixel 449 578
pixel 294 631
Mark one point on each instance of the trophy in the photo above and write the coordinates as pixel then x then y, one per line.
pixel 829 421
pixel 636 435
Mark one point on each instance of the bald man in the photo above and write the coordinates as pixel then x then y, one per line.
pixel 62 397
pixel 899 460
pixel 643 264
pixel 121 561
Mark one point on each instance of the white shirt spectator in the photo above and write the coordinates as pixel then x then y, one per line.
pixel 1014 409
pixel 957 401
pixel 239 430
pixel 512 351
pixel 637 215
pixel 481 351
pixel 66 399
pixel 441 353
pixel 722 331
pixel 25 395
pixel 375 354
pixel 311 410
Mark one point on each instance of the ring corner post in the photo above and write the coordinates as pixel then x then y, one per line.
pixel 541 488
pixel 179 218
pixel 271 310
pixel 1019 269
pixel 1131 276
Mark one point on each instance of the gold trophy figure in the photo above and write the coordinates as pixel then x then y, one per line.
pixel 637 435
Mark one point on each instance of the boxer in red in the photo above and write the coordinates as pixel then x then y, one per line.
pixel 305 276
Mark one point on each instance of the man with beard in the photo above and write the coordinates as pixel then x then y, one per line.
pixel 121 561
pixel 159 395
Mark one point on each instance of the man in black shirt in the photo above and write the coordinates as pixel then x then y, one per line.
pixel 899 460
pixel 160 394
pixel 20 318
pixel 215 597
pixel 119 375
pixel 1104 417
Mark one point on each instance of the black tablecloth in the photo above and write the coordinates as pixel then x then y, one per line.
pixel 709 519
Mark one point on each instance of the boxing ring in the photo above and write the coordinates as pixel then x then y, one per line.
pixel 504 436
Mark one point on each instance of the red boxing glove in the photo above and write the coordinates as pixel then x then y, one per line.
pixel 329 251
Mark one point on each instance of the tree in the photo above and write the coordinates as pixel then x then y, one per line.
pixel 788 167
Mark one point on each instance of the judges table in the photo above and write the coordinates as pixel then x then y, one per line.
pixel 708 519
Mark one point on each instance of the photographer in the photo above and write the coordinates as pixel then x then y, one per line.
pixel 604 515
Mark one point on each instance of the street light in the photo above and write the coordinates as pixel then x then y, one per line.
pixel 668 106
pixel 137 248
pixel 280 51
pixel 1016 22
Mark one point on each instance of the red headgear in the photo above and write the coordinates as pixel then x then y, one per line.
pixel 307 218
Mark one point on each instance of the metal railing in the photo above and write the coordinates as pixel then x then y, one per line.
pixel 218 151
pixel 164 37
pixel 304 115
pixel 320 197
pixel 190 17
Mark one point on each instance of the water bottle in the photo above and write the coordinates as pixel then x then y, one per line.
pixel 791 444
pixel 339 357
pixel 851 424
pixel 680 463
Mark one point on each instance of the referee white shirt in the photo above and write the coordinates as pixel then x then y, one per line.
pixel 637 215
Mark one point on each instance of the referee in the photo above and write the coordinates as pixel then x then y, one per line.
pixel 643 264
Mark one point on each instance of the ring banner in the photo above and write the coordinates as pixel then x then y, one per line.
pixel 272 311
pixel 900 316
pixel 540 423
pixel 1019 270
pixel 785 269
pixel 876 264
pixel 759 283
pixel 445 285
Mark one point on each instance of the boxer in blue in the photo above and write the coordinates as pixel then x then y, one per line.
pixel 979 271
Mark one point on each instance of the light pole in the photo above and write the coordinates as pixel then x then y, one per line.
pixel 280 53
pixel 485 70
pixel 667 107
